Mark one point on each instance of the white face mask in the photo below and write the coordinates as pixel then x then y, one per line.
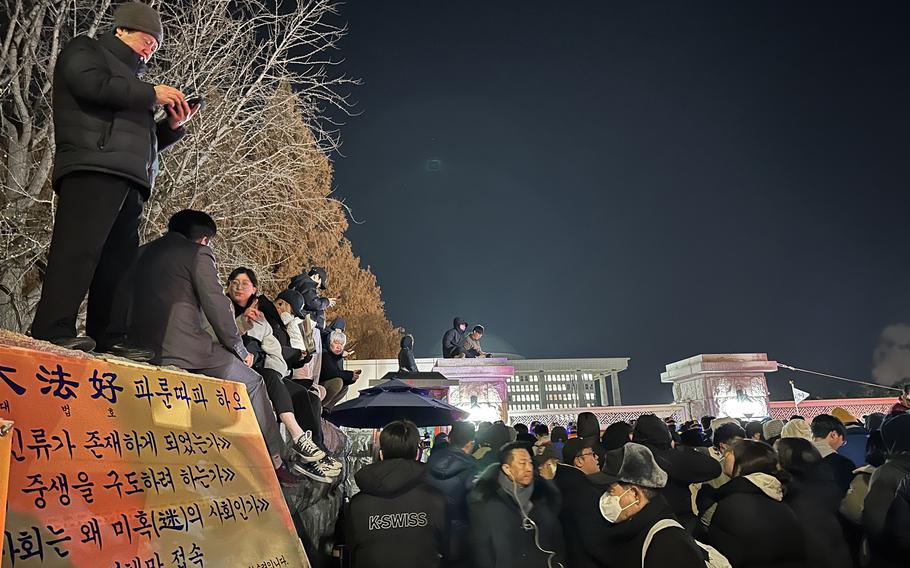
pixel 286 317
pixel 610 507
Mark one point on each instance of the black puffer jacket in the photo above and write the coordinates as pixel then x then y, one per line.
pixel 583 525
pixel 452 472
pixel 815 500
pixel 498 538
pixel 313 304
pixel 103 113
pixel 884 483
pixel 754 528
pixel 396 519
pixel 670 547
pixel 683 465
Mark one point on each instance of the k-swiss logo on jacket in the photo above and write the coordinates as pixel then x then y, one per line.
pixel 397 521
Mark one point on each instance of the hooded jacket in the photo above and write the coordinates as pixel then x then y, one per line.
pixel 452 472
pixel 884 483
pixel 313 304
pixel 815 500
pixel 684 466
pixel 103 113
pixel 897 529
pixel 396 520
pixel 670 547
pixel 451 341
pixel 498 538
pixel 406 360
pixel 754 528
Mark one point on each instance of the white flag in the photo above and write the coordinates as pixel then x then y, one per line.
pixel 798 395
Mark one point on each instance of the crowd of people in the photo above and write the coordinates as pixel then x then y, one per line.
pixel 164 302
pixel 830 492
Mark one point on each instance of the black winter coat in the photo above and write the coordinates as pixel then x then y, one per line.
pixel 452 472
pixel 333 368
pixel 882 489
pixel 396 520
pixel 684 466
pixel 451 341
pixel 815 501
pixel 755 530
pixel 670 547
pixel 406 360
pixel 843 468
pixel 103 113
pixel 897 530
pixel 583 525
pixel 313 304
pixel 498 539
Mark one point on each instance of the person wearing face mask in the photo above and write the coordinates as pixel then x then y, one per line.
pixel 637 510
pixel 751 524
pixel 515 515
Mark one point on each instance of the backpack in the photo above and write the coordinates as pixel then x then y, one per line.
pixel 715 559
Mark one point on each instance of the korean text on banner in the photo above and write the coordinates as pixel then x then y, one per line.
pixel 122 465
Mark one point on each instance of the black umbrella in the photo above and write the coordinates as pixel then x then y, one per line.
pixel 394 400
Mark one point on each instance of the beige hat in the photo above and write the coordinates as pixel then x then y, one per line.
pixel 796 428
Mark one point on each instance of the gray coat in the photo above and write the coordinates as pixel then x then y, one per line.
pixel 176 289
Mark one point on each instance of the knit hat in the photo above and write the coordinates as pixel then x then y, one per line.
pixel 844 415
pixel 616 435
pixel 796 428
pixel 293 299
pixel 772 428
pixel 141 17
pixel 637 466
pixel 650 430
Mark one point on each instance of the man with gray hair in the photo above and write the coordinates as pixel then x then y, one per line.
pixel 333 377
pixel 105 163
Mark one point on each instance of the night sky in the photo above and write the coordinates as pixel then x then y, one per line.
pixel 641 179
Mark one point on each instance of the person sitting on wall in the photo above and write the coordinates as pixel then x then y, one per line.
pixel 451 341
pixel 470 345
pixel 334 378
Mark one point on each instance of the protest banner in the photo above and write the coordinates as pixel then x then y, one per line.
pixel 122 465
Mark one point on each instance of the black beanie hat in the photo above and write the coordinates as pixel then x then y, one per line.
pixel 141 17
pixel 650 430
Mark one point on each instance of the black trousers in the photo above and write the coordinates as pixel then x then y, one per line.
pixel 307 408
pixel 95 240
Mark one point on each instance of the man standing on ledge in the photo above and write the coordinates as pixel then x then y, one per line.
pixel 106 160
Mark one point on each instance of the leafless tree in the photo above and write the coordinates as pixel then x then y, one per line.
pixel 255 158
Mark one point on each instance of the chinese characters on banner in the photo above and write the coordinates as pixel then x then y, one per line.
pixel 118 465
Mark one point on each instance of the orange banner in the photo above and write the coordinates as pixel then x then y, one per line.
pixel 129 466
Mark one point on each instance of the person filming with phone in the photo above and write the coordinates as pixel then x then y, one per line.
pixel 105 163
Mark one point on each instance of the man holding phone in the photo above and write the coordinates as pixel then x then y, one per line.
pixel 106 160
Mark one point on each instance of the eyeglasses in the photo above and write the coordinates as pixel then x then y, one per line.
pixel 584 454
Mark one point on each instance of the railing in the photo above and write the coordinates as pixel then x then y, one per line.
pixel 783 410
pixel 606 415
pixel 809 409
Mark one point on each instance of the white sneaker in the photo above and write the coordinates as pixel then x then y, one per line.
pixel 332 465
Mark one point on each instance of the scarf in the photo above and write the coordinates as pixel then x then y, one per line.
pixel 522 495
